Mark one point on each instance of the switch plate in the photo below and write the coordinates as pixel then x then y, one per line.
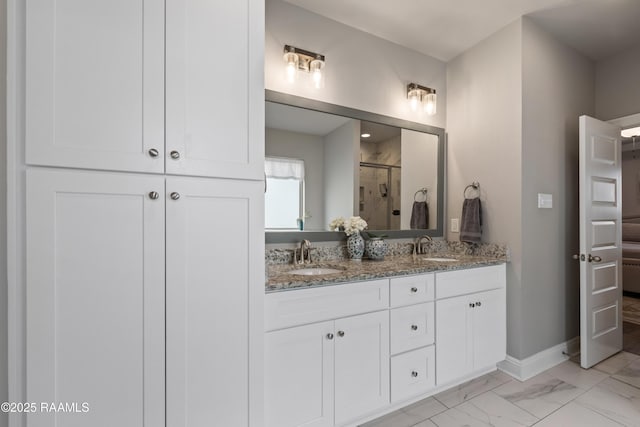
pixel 545 201
pixel 455 225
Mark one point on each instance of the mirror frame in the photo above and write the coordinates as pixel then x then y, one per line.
pixel 323 107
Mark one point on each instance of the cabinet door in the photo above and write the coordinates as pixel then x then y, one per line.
pixel 489 328
pixel 215 298
pixel 95 298
pixel 215 89
pixel 361 365
pixel 299 376
pixel 95 84
pixel 454 352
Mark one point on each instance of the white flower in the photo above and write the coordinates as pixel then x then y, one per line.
pixel 336 224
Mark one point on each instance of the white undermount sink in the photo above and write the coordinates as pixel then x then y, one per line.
pixel 314 271
pixel 436 259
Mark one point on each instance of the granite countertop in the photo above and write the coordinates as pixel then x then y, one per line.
pixel 353 271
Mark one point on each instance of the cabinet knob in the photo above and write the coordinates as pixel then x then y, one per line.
pixel 340 333
pixel 153 152
pixel 478 304
pixel 414 374
pixel 175 196
pixel 174 155
pixel 329 336
pixel 471 305
pixel 414 289
pixel 414 327
pixel 154 195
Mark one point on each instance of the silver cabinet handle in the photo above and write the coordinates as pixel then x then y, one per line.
pixel 414 289
pixel 153 152
pixel 175 196
pixel 174 155
pixel 414 374
pixel 594 258
pixel 340 333
pixel 154 195
pixel 414 327
pixel 329 336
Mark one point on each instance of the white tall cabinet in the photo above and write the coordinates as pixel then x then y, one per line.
pixel 142 246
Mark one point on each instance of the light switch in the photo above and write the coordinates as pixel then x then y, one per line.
pixel 455 225
pixel 545 201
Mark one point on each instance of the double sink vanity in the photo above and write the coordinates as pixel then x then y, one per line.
pixel 349 341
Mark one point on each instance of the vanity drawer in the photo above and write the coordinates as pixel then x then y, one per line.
pixel 412 373
pixel 462 282
pixel 297 307
pixel 412 327
pixel 412 289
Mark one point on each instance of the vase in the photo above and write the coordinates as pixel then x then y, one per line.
pixel 355 246
pixel 376 248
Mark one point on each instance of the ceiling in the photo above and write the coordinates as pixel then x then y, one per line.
pixel 445 28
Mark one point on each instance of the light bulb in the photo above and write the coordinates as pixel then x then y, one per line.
pixel 414 100
pixel 316 73
pixel 292 66
pixel 430 104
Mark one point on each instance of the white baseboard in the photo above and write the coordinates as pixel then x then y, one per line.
pixel 539 362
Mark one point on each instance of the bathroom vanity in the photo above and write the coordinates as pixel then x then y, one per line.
pixel 347 347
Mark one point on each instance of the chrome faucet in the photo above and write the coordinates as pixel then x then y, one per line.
pixel 418 247
pixel 305 253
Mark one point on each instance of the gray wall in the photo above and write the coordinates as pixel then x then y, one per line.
pixel 3 213
pixel 362 71
pixel 631 183
pixel 513 108
pixel 484 125
pixel 310 148
pixel 558 87
pixel 617 86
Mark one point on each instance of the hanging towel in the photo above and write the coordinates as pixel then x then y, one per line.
pixel 471 223
pixel 419 215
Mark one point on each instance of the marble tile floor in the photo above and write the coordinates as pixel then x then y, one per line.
pixel 563 396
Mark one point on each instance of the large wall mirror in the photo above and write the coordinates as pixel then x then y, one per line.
pixel 325 161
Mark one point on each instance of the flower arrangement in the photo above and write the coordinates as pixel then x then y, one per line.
pixel 350 226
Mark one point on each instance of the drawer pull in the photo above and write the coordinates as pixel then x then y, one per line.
pixel 329 336
pixel 414 374
pixel 414 289
pixel 414 327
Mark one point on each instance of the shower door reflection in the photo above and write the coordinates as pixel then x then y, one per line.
pixel 379 196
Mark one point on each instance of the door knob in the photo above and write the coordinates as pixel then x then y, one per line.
pixel 594 258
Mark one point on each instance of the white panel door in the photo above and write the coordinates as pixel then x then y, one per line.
pixel 489 328
pixel 95 84
pixel 299 376
pixel 454 326
pixel 600 241
pixel 361 365
pixel 95 298
pixel 215 88
pixel 215 297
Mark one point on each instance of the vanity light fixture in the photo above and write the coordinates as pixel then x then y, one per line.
pixel 300 60
pixel 365 135
pixel 422 96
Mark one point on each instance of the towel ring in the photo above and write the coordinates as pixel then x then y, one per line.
pixel 474 186
pixel 424 193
